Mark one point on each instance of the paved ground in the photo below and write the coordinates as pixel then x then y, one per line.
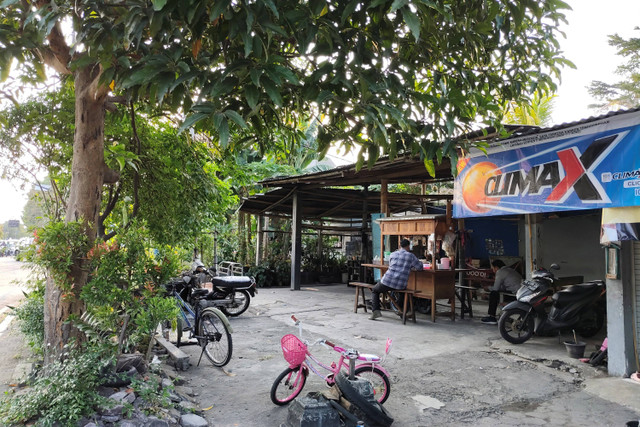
pixel 13 349
pixel 444 373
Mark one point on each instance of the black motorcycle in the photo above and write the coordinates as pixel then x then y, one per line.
pixel 577 307
pixel 231 293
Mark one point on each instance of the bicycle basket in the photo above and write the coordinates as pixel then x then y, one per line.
pixel 293 349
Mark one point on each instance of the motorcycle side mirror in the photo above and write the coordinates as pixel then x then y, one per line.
pixel 555 267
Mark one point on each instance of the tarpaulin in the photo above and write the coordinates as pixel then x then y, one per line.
pixel 587 166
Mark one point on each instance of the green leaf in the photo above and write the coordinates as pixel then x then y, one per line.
pixel 252 95
pixel 397 4
pixel 317 6
pixel 218 8
pixel 431 168
pixel 255 76
pixel 412 21
pixel 223 131
pixel 349 9
pixel 237 118
pixel 271 5
pixel 158 4
pixel 272 91
pixel 7 3
pixel 191 120
pixel 376 3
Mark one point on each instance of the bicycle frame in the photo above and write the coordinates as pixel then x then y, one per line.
pixel 182 305
pixel 369 360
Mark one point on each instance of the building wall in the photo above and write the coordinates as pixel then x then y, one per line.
pixel 573 242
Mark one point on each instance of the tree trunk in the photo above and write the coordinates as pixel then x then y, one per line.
pixel 83 205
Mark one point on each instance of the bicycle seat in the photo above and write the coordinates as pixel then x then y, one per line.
pixel 369 358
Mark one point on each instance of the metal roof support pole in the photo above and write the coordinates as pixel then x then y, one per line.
pixel 259 239
pixel 533 243
pixel 296 241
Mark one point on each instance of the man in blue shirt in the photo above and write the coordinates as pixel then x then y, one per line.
pixel 400 264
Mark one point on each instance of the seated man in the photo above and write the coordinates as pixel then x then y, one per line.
pixel 400 264
pixel 507 280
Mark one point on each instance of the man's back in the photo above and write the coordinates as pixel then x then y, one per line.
pixel 400 264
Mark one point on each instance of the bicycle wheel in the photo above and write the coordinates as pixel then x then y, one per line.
pixel 378 379
pixel 288 385
pixel 215 338
pixel 241 300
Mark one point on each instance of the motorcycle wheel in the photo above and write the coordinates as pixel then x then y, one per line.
pixel 513 326
pixel 241 300
pixel 590 323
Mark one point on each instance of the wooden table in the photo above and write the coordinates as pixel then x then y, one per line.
pixel 430 284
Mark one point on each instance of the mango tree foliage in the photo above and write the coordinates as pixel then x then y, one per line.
pixel 380 76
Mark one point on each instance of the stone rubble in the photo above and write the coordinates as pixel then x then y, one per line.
pixel 130 410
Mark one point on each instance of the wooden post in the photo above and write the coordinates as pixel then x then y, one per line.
pixel 384 197
pixel 461 254
pixel 296 242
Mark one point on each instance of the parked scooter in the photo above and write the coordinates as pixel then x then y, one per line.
pixel 578 307
pixel 231 293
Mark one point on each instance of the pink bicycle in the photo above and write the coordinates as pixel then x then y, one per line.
pixel 291 381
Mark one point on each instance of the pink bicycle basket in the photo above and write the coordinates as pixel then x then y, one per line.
pixel 293 349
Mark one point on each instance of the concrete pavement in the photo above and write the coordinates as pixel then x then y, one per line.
pixel 443 373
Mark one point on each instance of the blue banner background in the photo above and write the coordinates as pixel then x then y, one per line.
pixel 607 162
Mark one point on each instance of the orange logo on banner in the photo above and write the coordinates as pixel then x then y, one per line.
pixel 473 187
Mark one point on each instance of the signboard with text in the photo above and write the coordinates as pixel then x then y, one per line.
pixel 586 166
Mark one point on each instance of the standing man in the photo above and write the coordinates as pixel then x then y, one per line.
pixel 400 264
pixel 507 280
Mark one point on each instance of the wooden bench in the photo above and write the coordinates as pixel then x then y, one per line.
pixel 408 300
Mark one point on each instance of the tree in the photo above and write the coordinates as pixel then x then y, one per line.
pixel 536 112
pixel 626 92
pixel 381 76
pixel 33 215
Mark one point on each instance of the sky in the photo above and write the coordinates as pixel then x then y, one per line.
pixel 586 45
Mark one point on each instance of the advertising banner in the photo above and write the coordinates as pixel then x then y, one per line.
pixel 587 166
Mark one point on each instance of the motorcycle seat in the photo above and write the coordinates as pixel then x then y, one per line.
pixel 232 281
pixel 575 293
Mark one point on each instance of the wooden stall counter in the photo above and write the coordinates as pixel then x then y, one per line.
pixel 430 284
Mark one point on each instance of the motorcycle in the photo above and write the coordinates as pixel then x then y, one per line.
pixel 232 294
pixel 579 307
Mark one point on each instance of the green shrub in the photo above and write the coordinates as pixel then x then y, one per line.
pixel 30 315
pixel 64 393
